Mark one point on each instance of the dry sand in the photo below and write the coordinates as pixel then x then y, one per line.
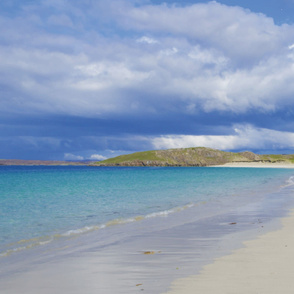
pixel 264 266
pixel 258 164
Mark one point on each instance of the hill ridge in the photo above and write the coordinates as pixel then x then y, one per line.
pixel 194 156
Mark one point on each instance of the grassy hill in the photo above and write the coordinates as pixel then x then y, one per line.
pixel 198 156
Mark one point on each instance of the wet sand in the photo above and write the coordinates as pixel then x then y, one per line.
pixel 264 266
pixel 150 255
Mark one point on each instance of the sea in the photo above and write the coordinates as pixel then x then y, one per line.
pixel 122 215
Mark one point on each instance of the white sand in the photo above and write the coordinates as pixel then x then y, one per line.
pixel 264 266
pixel 258 164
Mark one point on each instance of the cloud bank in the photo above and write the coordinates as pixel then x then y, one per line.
pixel 117 72
pixel 252 138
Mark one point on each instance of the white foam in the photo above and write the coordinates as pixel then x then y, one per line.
pixel 80 231
pixel 31 243
pixel 289 182
pixel 167 212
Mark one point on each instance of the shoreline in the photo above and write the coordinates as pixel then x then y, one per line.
pixel 264 265
pixel 257 165
pixel 148 255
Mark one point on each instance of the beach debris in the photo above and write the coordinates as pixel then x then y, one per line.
pixel 139 285
pixel 233 223
pixel 151 252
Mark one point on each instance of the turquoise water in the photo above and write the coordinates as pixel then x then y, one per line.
pixel 39 204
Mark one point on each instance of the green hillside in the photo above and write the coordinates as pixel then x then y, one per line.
pixel 198 156
pixel 275 158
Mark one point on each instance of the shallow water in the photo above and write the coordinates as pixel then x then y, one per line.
pixel 91 238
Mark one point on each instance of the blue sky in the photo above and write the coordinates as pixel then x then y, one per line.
pixel 95 79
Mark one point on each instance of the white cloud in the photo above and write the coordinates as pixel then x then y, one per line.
pixel 237 62
pixel 70 156
pixel 147 40
pixel 169 51
pixel 97 157
pixel 245 137
pixel 206 56
pixel 235 30
pixel 97 76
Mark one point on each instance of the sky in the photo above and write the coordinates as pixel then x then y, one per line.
pixel 93 79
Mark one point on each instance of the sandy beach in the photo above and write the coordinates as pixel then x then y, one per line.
pixel 264 266
pixel 257 164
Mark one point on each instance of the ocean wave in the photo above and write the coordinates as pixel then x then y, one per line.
pixel 289 182
pixel 43 240
pixel 26 244
pixel 31 243
pixel 173 210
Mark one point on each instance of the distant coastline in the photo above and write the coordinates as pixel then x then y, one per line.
pixel 196 156
pixel 9 162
